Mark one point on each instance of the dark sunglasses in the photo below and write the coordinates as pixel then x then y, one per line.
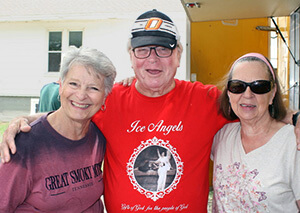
pixel 257 87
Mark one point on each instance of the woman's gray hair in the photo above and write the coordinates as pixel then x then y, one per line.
pixel 91 58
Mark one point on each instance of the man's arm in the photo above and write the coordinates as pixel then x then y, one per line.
pixel 22 124
pixel 289 120
pixel 127 81
pixel 297 133
pixel 14 127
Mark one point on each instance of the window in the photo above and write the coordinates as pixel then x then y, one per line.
pixel 54 56
pixel 58 43
pixel 75 38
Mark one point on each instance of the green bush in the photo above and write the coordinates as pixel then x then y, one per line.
pixel 3 127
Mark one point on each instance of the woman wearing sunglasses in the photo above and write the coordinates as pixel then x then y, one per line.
pixel 256 162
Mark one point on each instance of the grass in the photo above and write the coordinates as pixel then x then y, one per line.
pixel 3 126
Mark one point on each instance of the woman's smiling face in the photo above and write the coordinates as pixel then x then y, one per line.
pixel 248 105
pixel 82 93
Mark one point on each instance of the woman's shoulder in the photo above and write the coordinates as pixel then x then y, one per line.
pixel 230 127
pixel 228 131
pixel 96 130
pixel 287 131
pixel 283 129
pixel 37 131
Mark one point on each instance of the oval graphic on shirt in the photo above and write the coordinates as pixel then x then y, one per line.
pixel 155 168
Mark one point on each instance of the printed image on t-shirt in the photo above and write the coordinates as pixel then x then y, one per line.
pixel 155 168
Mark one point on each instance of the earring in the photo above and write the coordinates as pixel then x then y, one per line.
pixel 229 107
pixel 103 107
pixel 271 110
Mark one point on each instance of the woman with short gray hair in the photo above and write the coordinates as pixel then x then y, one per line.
pixel 58 164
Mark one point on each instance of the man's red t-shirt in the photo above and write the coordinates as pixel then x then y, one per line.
pixel 158 149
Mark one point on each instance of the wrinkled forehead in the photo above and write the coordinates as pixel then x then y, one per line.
pixel 89 68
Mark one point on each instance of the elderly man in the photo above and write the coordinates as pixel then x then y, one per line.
pixel 156 114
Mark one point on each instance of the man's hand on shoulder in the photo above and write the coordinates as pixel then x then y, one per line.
pixel 127 81
pixel 8 140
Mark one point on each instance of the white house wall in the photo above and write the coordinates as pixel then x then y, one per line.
pixel 24 45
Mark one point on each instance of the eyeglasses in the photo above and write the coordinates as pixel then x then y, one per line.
pixel 257 87
pixel 144 52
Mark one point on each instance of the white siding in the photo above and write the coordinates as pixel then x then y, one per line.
pixel 24 45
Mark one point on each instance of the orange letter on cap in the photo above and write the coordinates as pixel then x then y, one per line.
pixel 153 24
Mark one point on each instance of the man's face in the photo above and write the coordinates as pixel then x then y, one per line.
pixel 155 74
